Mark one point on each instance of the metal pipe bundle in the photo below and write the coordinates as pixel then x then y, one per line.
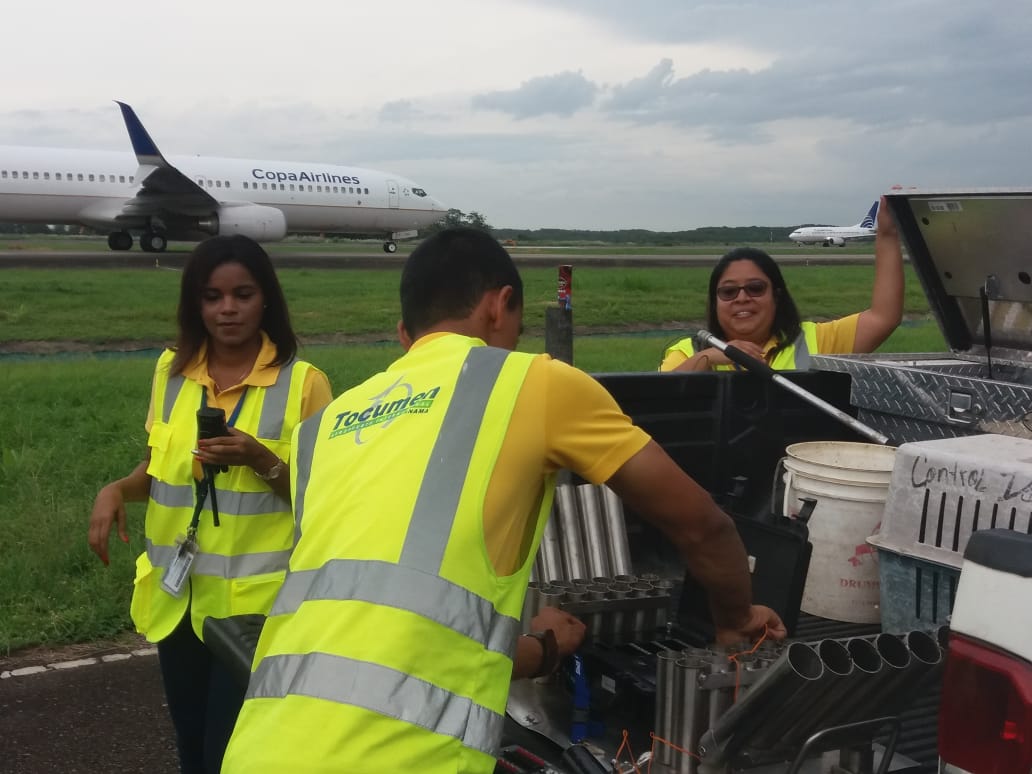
pixel 798 666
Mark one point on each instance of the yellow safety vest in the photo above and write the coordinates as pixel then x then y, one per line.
pixel 241 563
pixel 390 645
pixel 794 357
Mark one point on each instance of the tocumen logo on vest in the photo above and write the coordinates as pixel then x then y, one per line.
pixel 397 400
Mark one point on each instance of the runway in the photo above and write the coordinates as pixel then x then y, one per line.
pixel 290 259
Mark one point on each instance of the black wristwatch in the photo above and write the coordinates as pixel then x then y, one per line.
pixel 549 652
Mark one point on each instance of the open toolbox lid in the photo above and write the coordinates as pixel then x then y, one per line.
pixel 963 242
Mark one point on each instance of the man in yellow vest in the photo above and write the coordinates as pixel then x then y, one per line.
pixel 420 497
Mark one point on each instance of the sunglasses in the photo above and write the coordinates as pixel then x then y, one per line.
pixel 752 288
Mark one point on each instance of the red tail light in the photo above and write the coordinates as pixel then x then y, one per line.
pixel 985 719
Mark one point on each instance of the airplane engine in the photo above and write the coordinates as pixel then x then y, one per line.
pixel 262 224
pixel 836 241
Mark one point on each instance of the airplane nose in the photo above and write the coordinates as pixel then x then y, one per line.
pixel 436 206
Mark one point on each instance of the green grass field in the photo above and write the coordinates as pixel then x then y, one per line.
pixel 72 422
pixel 95 306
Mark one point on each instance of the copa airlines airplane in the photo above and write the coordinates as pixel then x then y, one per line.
pixel 192 197
pixel 838 235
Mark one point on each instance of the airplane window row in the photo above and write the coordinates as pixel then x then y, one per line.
pixel 202 182
pixel 349 189
pixel 68 176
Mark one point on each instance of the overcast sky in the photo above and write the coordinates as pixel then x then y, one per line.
pixel 660 114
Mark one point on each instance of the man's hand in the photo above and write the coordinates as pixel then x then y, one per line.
pixel 569 630
pixel 761 619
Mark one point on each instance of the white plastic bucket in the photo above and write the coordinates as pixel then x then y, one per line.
pixel 850 482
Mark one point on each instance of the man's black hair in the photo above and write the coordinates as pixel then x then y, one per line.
pixel 448 273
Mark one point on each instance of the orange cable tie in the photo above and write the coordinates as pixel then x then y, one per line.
pixel 668 743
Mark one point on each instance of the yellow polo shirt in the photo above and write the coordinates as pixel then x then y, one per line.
pixel 315 392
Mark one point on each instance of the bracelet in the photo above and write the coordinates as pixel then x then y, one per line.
pixel 549 652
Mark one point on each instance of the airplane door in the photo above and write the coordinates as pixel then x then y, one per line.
pixel 392 194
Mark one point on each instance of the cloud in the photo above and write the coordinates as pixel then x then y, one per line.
pixel 562 94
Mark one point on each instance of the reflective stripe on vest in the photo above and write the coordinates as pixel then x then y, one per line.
pixel 378 689
pixel 219 566
pixel 414 584
pixel 404 588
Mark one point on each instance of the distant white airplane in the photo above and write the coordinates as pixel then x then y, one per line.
pixel 192 197
pixel 838 235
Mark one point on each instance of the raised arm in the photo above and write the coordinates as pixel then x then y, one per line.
pixel 877 323
pixel 653 485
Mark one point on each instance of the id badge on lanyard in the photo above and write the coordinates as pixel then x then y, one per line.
pixel 174 579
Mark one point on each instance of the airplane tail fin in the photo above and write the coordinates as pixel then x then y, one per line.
pixel 871 217
pixel 146 150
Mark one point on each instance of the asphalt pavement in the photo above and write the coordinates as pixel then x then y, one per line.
pixel 99 717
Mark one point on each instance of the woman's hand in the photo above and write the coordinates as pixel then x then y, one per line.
pixel 706 359
pixel 108 508
pixel 237 448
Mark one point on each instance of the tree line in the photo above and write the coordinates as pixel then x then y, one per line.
pixel 639 236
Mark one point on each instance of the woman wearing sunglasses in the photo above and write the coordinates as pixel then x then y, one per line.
pixel 750 307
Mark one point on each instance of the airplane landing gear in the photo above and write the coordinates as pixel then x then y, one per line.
pixel 390 246
pixel 120 240
pixel 153 242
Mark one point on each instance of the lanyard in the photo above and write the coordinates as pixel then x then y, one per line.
pixel 236 409
pixel 205 488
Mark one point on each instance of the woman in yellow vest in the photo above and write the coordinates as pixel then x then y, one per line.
pixel 749 305
pixel 219 529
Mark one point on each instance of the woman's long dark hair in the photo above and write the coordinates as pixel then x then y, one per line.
pixel 206 257
pixel 786 325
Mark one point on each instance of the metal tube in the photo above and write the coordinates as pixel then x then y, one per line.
pixel 666 661
pixel 594 532
pixel 868 700
pixel 570 538
pixel 810 705
pixel 719 699
pixel 693 713
pixel 550 596
pixel 531 605
pixel 550 553
pixel 797 666
pixel 761 368
pixel 925 663
pixel 636 620
pixel 594 622
pixel 616 532
pixel 613 626
pixel 657 618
